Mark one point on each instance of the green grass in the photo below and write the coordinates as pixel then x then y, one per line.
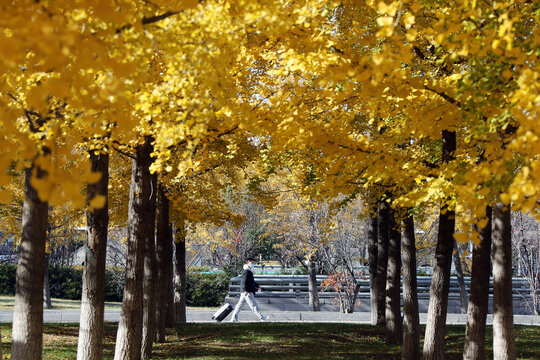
pixel 271 341
pixel 7 303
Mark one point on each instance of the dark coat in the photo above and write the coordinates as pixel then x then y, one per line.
pixel 248 282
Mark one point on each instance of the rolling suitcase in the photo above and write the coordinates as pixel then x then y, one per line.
pixel 222 312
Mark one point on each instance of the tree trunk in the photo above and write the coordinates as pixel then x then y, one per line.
pixel 312 285
pixel 351 297
pixel 170 320
pixel 180 275
pixel 460 278
pixel 440 281
pixel 382 261
pixel 411 323
pixel 47 303
pixel 475 333
pixel 503 312
pixel 372 239
pixel 129 336
pixel 394 333
pixel 27 334
pixel 164 262
pixel 93 288
pixel 150 276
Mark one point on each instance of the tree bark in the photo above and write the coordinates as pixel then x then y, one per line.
pixel 411 323
pixel 312 285
pixel 180 275
pixel 461 280
pixel 382 261
pixel 93 289
pixel 475 333
pixel 164 263
pixel 503 312
pixel 440 281
pixel 27 334
pixel 150 276
pixel 372 239
pixel 47 303
pixel 171 309
pixel 129 336
pixel 394 333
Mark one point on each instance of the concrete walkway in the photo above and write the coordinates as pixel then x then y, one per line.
pixel 201 316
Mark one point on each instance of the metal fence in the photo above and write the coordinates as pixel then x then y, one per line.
pixel 293 289
pixel 297 285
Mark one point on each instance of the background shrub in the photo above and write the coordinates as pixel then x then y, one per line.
pixel 206 289
pixel 114 284
pixel 7 279
pixel 66 282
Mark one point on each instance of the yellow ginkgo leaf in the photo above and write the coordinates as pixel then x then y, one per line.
pixel 93 177
pixel 97 202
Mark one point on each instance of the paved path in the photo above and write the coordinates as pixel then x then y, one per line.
pixel 200 316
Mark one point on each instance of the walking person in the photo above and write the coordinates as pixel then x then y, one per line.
pixel 248 286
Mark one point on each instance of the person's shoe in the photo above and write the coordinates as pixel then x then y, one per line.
pixel 233 320
pixel 264 318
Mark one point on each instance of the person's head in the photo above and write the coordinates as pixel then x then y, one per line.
pixel 250 261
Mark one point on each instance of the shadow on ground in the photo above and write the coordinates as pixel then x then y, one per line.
pixel 280 341
pixel 270 341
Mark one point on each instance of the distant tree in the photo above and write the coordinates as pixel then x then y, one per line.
pixel 526 249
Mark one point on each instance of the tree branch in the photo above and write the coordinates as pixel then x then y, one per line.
pixel 153 19
pixel 301 261
pixel 446 97
pixel 120 151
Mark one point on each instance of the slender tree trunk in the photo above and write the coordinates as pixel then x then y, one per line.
pixel 460 278
pixel 47 303
pixel 129 336
pixel 503 311
pixel 351 297
pixel 372 238
pixel 354 296
pixel 394 333
pixel 27 334
pixel 411 323
pixel 164 261
pixel 440 281
pixel 312 285
pixel 93 289
pixel 150 278
pixel 475 333
pixel 312 276
pixel 180 275
pixel 170 321
pixel 382 261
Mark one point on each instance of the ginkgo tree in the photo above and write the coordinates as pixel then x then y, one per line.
pixel 433 102
pixel 60 81
pixel 426 73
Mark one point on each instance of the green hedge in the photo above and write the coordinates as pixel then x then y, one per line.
pixel 7 279
pixel 203 289
pixel 66 282
pixel 114 284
